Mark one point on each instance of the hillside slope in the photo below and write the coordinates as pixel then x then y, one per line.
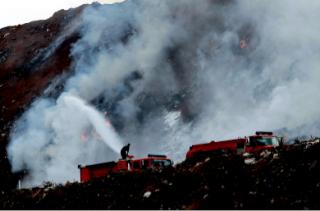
pixel 31 56
pixel 162 75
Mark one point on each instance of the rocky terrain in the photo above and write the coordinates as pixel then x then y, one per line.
pixel 286 179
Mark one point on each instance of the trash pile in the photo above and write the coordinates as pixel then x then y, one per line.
pixel 288 178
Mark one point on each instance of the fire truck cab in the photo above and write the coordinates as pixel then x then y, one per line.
pixel 155 162
pixel 252 144
pixel 151 162
pixel 261 141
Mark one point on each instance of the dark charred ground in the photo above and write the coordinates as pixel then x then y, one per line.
pixel 288 181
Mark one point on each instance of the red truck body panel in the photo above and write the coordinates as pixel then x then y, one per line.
pixel 134 165
pixel 237 146
pixel 228 145
pixel 96 170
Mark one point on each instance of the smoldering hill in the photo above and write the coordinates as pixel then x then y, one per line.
pixel 168 74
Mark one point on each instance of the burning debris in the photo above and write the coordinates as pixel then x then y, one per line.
pixel 243 44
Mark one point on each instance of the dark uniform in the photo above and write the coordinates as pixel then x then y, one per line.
pixel 125 151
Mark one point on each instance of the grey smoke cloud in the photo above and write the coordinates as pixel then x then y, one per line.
pixel 196 83
pixel 47 140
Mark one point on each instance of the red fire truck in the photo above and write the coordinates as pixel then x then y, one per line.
pixel 253 144
pixel 124 165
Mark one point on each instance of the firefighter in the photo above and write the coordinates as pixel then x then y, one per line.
pixel 125 151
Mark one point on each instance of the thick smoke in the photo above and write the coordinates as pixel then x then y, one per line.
pixel 47 139
pixel 170 74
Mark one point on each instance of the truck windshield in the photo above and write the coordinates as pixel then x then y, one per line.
pixel 162 163
pixel 264 141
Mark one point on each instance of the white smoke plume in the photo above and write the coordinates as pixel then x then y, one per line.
pixel 174 73
pixel 48 140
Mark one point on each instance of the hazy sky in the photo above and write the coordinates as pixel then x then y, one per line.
pixel 13 12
